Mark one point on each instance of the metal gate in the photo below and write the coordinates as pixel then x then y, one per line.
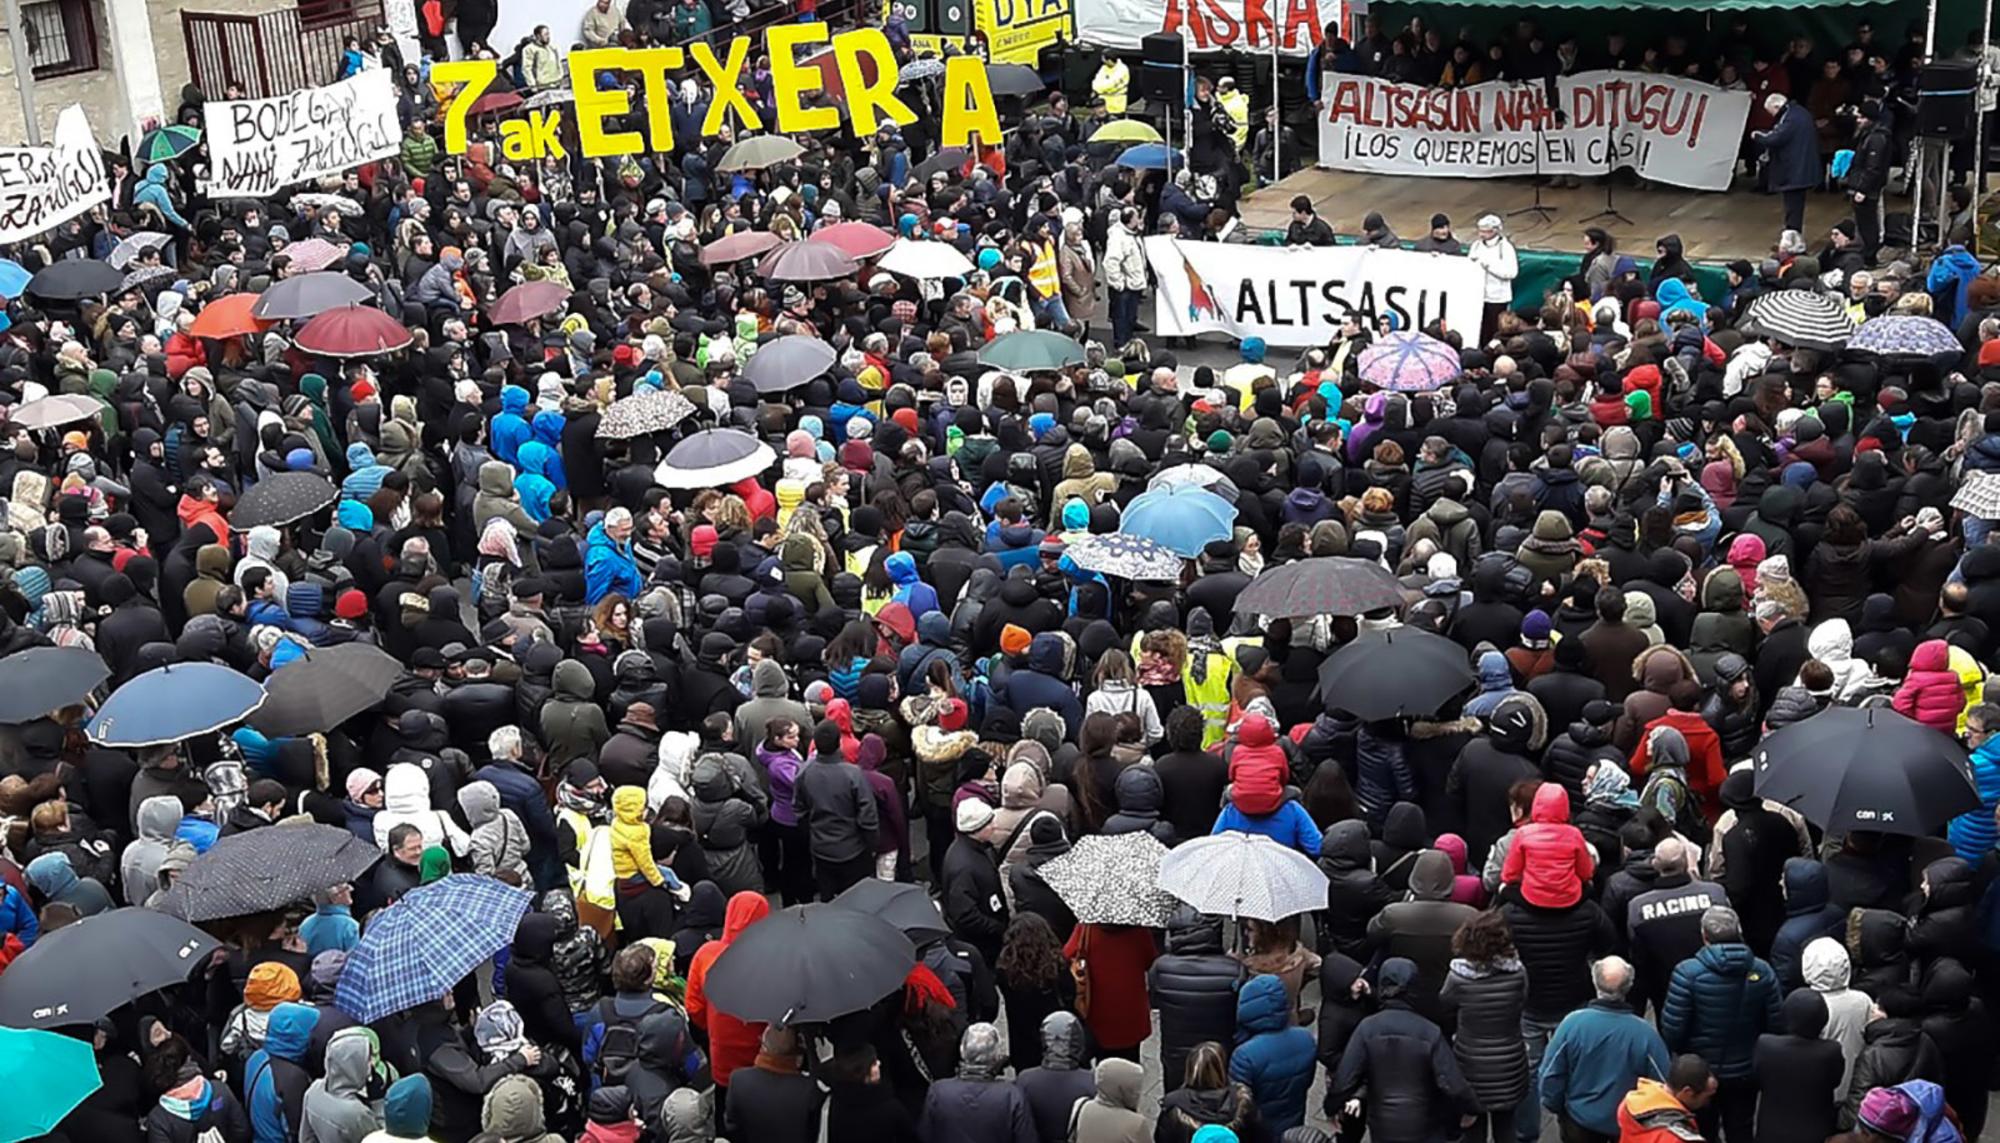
pixel 274 53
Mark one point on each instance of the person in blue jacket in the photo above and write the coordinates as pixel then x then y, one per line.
pixel 510 430
pixel 1599 1053
pixel 608 562
pixel 1045 681
pixel 1274 1057
pixel 152 191
pixel 276 1077
pixel 910 591
pixel 17 917
pixel 1973 833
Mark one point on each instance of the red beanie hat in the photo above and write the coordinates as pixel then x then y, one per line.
pixel 906 417
pixel 951 714
pixel 624 356
pixel 362 389
pixel 350 604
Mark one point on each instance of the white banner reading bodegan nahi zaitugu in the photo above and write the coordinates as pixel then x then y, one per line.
pixel 1668 129
pixel 1298 295
pixel 1207 25
pixel 258 147
pixel 43 187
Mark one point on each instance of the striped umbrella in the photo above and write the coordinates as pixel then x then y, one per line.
pixel 170 142
pixel 1799 318
pixel 1409 362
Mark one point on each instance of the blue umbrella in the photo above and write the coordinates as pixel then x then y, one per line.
pixel 1182 519
pixel 13 278
pixel 416 950
pixel 170 703
pixel 1910 336
pixel 1151 157
pixel 47 1075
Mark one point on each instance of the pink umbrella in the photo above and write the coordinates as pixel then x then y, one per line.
pixel 1409 362
pixel 807 262
pixel 313 254
pixel 738 246
pixel 861 240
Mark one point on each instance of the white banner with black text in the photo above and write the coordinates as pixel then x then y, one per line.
pixel 258 147
pixel 44 187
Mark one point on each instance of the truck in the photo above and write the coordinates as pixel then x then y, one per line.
pixel 1016 31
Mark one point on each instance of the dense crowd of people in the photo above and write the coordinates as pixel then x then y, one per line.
pixel 1652 534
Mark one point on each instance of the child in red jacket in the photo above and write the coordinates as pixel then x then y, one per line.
pixel 1548 858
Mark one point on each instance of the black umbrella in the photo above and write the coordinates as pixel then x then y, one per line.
pixel 265 869
pixel 1014 79
pixel 1394 673
pixel 282 498
pixel 1850 768
pixel 83 971
pixel 788 362
pixel 309 295
pixel 41 679
pixel 946 160
pixel 808 964
pixel 75 278
pixel 1325 585
pixel 324 688
pixel 902 904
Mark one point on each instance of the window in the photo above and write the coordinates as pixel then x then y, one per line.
pixel 317 14
pixel 62 37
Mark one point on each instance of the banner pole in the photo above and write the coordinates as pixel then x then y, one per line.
pixel 24 71
pixel 1277 112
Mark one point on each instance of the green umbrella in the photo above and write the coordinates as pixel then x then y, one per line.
pixel 166 143
pixel 759 151
pixel 1031 349
pixel 45 1075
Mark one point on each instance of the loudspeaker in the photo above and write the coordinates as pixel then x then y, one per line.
pixel 1163 68
pixel 1945 109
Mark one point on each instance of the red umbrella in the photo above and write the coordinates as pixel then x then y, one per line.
pixel 861 240
pixel 352 331
pixel 807 262
pixel 228 317
pixel 528 301
pixel 496 102
pixel 738 246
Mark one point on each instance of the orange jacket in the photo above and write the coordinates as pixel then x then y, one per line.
pixel 1651 1114
pixel 732 1043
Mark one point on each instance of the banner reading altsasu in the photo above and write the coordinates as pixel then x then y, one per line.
pixel 1668 129
pixel 1298 295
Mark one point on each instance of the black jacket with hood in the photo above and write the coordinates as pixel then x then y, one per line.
pixel 1194 987
pixel 1353 893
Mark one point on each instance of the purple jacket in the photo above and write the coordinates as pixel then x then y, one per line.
pixel 782 769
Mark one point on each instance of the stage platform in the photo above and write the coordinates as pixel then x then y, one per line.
pixel 1714 227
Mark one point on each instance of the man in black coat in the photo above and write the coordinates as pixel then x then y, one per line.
pixel 1868 175
pixel 1754 853
pixel 1219 585
pixel 1354 894
pixel 132 624
pixel 775 1100
pixel 1567 688
pixel 1488 767
pixel 973 905
pixel 1797 1074
pixel 1406 1065
pixel 1064 1076
pixel 1556 946
pixel 1194 986
pixel 1663 924
pixel 1780 652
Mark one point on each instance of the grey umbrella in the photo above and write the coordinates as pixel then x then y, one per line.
pixel 711 457
pixel 806 262
pixel 308 295
pixel 1014 79
pixel 758 152
pixel 788 362
pixel 129 247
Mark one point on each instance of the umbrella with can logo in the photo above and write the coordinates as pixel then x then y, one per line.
pixel 1866 768
pixel 84 970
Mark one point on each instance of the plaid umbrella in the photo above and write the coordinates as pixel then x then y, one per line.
pixel 1324 585
pixel 1799 318
pixel 170 703
pixel 130 246
pixel 282 498
pixel 859 239
pixel 1979 495
pixel 324 688
pixel 1394 673
pixel 315 253
pixel 264 869
pixel 1032 349
pixel 1127 557
pixel 309 295
pixel 739 246
pixel 164 143
pixel 415 950
pixel 38 680
pixel 806 262
pixel 787 362
pixel 1243 875
pixel 83 971
pixel 1908 336
pixel 352 331
pixel 758 152
pixel 643 413
pixel 1409 362
pixel 1112 880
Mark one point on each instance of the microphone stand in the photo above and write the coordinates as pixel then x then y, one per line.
pixel 1615 88
pixel 1537 208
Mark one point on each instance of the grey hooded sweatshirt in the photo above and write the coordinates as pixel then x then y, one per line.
pixel 336 1107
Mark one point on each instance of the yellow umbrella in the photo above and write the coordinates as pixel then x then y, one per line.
pixel 1126 131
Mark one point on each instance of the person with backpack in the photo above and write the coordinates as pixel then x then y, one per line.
pixel 611 1036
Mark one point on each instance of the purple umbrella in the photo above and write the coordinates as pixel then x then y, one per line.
pixel 807 262
pixel 1409 363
